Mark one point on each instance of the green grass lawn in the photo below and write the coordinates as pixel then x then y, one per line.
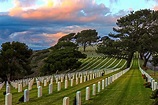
pixel 127 90
pixel 56 97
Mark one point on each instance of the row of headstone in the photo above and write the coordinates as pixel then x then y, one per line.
pixel 154 84
pixel 80 77
pixel 18 84
pixel 39 94
pixel 1 85
pixel 101 86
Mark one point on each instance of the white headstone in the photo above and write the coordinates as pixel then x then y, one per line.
pixel 8 99
pixel 106 82
pixel 38 84
pixel 87 93
pixel 80 79
pixel 8 89
pixel 72 82
pixel 98 86
pixel 50 88
pixel 78 98
pixel 155 85
pixel 29 86
pixel 62 78
pixel 59 86
pixel 66 84
pixel 56 79
pixel 51 81
pixel 152 84
pixel 94 89
pixel 45 82
pixel 19 87
pixel 40 91
pixel 103 84
pixel 84 79
pixel 66 101
pixel 76 80
pixel 26 95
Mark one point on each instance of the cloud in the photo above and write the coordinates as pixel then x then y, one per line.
pixel 41 26
pixel 36 40
pixel 79 10
pixel 24 3
pixel 155 7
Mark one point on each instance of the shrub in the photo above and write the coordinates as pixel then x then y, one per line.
pixel 144 76
pixel 154 94
pixel 147 85
pixel 155 102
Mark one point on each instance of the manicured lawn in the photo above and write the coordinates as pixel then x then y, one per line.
pixel 127 90
pixel 56 97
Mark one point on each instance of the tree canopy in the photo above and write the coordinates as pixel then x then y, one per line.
pixel 14 60
pixel 86 37
pixel 136 31
pixel 67 38
pixel 64 56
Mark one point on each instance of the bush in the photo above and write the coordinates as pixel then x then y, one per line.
pixel 155 102
pixel 147 85
pixel 144 76
pixel 154 94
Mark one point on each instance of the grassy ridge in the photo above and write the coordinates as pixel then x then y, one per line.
pixel 127 90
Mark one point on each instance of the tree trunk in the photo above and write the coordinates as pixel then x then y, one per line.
pixel 84 47
pixel 8 77
pixel 146 58
pixel 141 56
pixel 129 59
pixel 145 62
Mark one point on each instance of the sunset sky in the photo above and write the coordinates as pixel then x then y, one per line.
pixel 40 23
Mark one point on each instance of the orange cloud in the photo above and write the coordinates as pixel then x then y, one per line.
pixel 155 7
pixel 73 10
pixel 54 37
pixel 64 9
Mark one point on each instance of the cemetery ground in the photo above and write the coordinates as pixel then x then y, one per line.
pixel 56 97
pixel 126 90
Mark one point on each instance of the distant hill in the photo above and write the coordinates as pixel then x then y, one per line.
pixel 37 60
pixel 38 57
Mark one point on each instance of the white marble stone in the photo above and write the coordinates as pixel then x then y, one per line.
pixel 78 98
pixel 59 86
pixel 8 89
pixel 103 86
pixel 50 88
pixel 26 95
pixel 40 91
pixel 99 86
pixel 8 99
pixel 72 82
pixel 94 89
pixel 87 93
pixel 66 101
pixel 66 84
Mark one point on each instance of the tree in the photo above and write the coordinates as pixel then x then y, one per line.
pixel 154 62
pixel 86 37
pixel 14 60
pixel 67 38
pixel 136 31
pixel 64 45
pixel 109 47
pixel 64 56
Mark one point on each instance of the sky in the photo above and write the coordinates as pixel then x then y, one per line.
pixel 40 23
